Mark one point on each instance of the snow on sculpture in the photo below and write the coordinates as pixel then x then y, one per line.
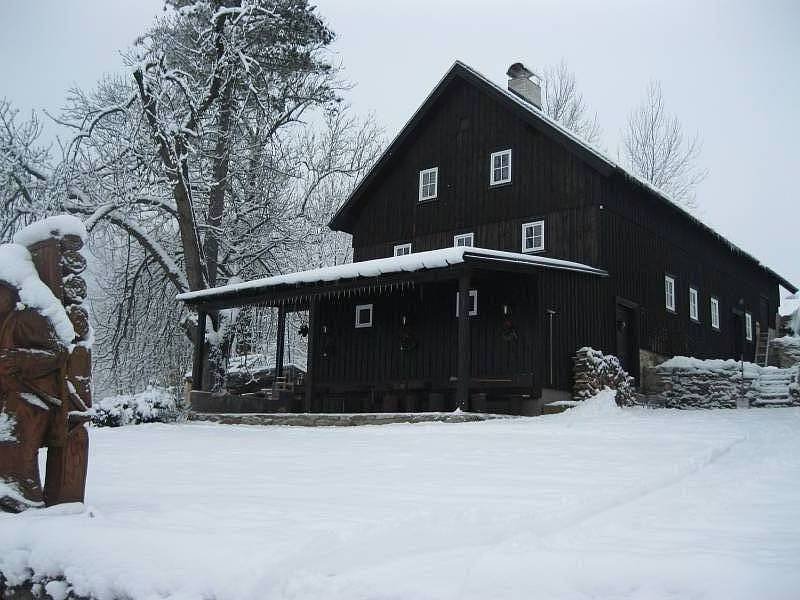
pixel 45 365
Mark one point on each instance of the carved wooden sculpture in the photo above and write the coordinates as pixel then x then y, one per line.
pixel 45 370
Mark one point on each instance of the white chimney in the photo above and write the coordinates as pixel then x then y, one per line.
pixel 525 84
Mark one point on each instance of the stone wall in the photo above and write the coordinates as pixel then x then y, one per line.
pixel 691 383
pixel 784 352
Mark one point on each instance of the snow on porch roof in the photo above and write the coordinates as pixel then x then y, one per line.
pixel 419 261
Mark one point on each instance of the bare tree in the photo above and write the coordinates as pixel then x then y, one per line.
pixel 562 102
pixel 658 150
pixel 216 161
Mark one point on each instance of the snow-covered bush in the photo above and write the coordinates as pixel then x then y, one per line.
pixel 153 405
pixel 595 371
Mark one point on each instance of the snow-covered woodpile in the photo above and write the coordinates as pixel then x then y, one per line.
pixel 784 351
pixel 693 383
pixel 594 371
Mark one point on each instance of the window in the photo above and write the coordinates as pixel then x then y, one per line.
pixel 464 239
pixel 402 249
pixel 533 236
pixel 428 183
pixel 363 315
pixel 500 167
pixel 694 313
pixel 473 303
pixel 748 326
pixel 715 313
pixel 669 293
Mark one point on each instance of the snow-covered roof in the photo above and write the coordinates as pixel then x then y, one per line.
pixel 590 149
pixel 432 259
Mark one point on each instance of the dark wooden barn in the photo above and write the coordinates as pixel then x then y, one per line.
pixel 489 245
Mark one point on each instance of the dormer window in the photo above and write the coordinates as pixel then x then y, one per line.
pixel 464 239
pixel 402 249
pixel 500 167
pixel 428 184
pixel 533 236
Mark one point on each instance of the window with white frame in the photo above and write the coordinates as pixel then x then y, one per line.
pixel 694 309
pixel 533 236
pixel 715 313
pixel 428 183
pixel 669 293
pixel 402 249
pixel 500 167
pixel 473 303
pixel 464 239
pixel 748 326
pixel 363 315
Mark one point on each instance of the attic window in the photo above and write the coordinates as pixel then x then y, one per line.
pixel 533 236
pixel 464 239
pixel 402 249
pixel 428 183
pixel 473 303
pixel 500 167
pixel 363 315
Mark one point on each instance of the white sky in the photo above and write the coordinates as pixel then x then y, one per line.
pixel 728 69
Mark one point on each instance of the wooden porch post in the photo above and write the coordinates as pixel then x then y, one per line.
pixel 199 351
pixel 312 334
pixel 462 389
pixel 279 342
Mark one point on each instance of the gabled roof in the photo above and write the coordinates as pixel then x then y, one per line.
pixel 409 263
pixel 342 220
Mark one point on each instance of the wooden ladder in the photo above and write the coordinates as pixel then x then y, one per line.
pixel 762 348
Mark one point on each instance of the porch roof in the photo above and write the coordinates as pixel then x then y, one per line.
pixel 371 270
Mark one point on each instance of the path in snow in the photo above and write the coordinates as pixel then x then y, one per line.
pixel 597 502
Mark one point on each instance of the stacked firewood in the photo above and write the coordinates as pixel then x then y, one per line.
pixel 593 371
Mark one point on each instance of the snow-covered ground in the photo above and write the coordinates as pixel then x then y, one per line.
pixel 598 502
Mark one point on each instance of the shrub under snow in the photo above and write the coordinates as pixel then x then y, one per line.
pixel 153 405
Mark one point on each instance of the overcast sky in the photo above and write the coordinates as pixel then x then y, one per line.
pixel 729 70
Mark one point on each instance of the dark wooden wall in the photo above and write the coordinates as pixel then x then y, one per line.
pixel 371 358
pixel 458 135
pixel 642 240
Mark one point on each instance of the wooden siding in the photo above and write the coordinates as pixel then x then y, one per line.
pixel 642 240
pixel 458 135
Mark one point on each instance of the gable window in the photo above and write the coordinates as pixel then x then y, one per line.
pixel 428 183
pixel 669 293
pixel 473 303
pixel 500 167
pixel 715 313
pixel 533 236
pixel 694 312
pixel 464 239
pixel 748 326
pixel 363 315
pixel 402 249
